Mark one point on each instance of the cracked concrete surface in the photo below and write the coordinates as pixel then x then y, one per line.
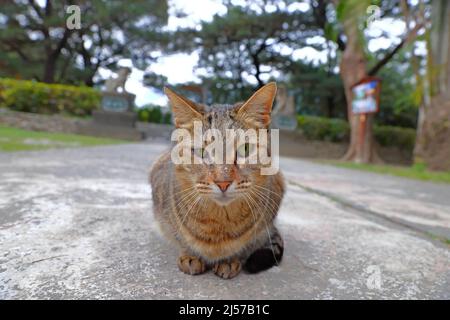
pixel 77 223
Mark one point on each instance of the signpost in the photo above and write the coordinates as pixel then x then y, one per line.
pixel 366 100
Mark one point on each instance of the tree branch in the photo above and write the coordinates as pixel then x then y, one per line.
pixel 13 46
pixel 62 42
pixel 341 43
pixel 380 64
pixel 36 8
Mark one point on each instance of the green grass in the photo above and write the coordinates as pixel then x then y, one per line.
pixel 418 171
pixel 13 139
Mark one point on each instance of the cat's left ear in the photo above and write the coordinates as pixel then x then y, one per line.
pixel 256 110
pixel 185 111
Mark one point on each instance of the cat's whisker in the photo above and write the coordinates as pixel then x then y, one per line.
pixel 252 200
pixel 183 190
pixel 268 197
pixel 268 190
pixel 265 199
pixel 199 209
pixel 204 190
pixel 183 203
pixel 185 195
pixel 187 190
pixel 182 220
pixel 254 216
pixel 270 238
pixel 187 200
pixel 187 212
pixel 256 204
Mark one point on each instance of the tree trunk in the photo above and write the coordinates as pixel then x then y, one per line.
pixel 433 135
pixel 89 81
pixel 353 68
pixel 49 70
pixel 330 106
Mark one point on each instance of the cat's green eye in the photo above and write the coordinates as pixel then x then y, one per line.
pixel 244 150
pixel 199 152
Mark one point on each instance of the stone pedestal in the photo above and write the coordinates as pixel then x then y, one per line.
pixel 93 128
pixel 117 102
pixel 112 118
pixel 116 119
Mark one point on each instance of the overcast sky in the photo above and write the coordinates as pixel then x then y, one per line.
pixel 179 68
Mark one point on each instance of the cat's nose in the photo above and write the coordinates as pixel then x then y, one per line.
pixel 223 185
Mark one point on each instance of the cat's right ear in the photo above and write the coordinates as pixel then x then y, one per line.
pixel 185 111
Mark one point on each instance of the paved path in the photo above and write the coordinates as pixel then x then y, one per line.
pixel 423 206
pixel 77 223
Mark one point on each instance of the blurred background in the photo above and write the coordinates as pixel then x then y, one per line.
pixel 55 57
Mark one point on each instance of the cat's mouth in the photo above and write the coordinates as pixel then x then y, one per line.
pixel 223 199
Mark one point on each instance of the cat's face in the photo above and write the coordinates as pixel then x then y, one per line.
pixel 230 170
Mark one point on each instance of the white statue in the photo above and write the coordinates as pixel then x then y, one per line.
pixel 113 84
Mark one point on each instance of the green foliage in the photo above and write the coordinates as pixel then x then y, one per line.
pixel 38 97
pixel 317 91
pixel 154 114
pixel 398 102
pixel 326 129
pixel 225 91
pixel 245 41
pixel 330 32
pixel 36 44
pixel 167 118
pixel 389 136
pixel 337 130
pixel 350 9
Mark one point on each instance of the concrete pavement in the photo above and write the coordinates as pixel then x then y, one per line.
pixel 77 223
pixel 423 206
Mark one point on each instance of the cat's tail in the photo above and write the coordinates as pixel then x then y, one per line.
pixel 267 256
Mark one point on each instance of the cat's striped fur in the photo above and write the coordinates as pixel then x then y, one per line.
pixel 224 237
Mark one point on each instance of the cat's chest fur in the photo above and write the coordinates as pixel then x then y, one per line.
pixel 218 231
pixel 216 223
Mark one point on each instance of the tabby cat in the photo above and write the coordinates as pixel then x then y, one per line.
pixel 220 215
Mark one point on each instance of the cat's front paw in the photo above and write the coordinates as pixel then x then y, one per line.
pixel 228 269
pixel 191 265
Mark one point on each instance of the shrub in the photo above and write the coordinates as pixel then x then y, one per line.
pixel 143 115
pixel 338 130
pixel 153 114
pixel 390 136
pixel 327 129
pixel 38 97
pixel 167 118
